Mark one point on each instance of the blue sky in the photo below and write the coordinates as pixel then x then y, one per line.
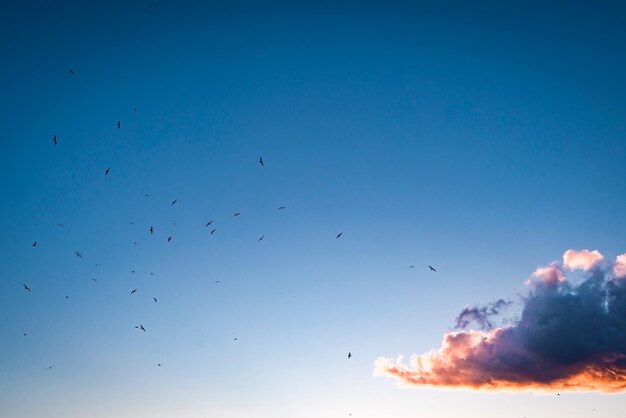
pixel 483 140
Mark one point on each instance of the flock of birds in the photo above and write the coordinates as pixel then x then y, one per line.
pixel 151 231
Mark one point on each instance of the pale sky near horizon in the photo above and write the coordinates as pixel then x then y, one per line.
pixel 483 139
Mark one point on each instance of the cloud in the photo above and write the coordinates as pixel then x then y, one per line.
pixel 619 268
pixel 568 337
pixel 583 259
pixel 481 315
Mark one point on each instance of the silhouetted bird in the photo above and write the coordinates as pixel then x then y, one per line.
pixel 155 299
pixel 151 230
pixel 106 172
pixel 133 291
pixel 281 208
pixel 339 235
pixel 35 244
pixel 72 72
pixel 411 267
pixel 262 236
pixel 140 327
pixel 432 268
pixel 235 339
pixel 213 231
pixel 208 223
pixel 78 254
pixel 118 124
pixel 349 355
pixel 26 287
pixel 169 239
pixel 54 139
pixel 95 280
pixel 50 367
pixel 159 364
pixel 261 161
pixel 61 225
pixel 174 201
pixel 237 214
pixel 216 281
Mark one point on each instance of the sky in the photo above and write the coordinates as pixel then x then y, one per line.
pixel 483 139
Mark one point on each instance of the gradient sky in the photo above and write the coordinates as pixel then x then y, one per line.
pixel 482 139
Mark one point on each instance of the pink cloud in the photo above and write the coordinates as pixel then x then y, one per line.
pixel 549 274
pixel 619 268
pixel 581 259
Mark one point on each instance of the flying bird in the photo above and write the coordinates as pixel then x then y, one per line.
pixel 118 124
pixel 261 161
pixel 133 291
pixel 78 254
pixel 35 244
pixel 26 287
pixel 95 280
pixel 151 230
pixel 159 364
pixel 106 172
pixel 281 208
pixel 61 225
pixel 72 72
pixel 432 268
pixel 169 239
pixel 155 299
pixel 262 236
pixel 208 223
pixel 216 281
pixel 140 327
pixel 349 355
pixel 213 232
pixel 237 214
pixel 174 201
pixel 54 139
pixel 50 367
pixel 411 266
pixel 235 339
pixel 339 235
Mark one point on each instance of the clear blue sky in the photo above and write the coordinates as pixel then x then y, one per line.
pixel 481 139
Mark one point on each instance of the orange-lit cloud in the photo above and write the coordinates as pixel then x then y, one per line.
pixel 569 337
pixel 581 259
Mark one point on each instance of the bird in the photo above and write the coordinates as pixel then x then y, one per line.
pixel 26 287
pixel 216 281
pixel 339 235
pixel 106 172
pixel 169 239
pixel 174 201
pixel 235 339
pixel 281 208
pixel 54 139
pixel 155 299
pixel 213 232
pixel 349 355
pixel 50 367
pixel 261 161
pixel 262 236
pixel 72 72
pixel 118 124
pixel 95 280
pixel 67 297
pixel 25 334
pixel 237 214
pixel 432 268
pixel 35 244
pixel 151 230
pixel 61 225
pixel 208 223
pixel 133 291
pixel 411 266
pixel 140 327
pixel 78 254
pixel 159 364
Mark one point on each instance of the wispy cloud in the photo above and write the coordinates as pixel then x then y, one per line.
pixel 569 337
